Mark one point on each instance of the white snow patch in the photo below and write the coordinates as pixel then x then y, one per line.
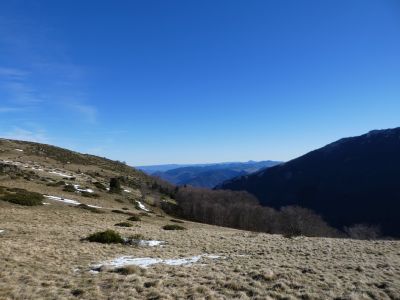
pixel 78 188
pixel 19 150
pixel 46 203
pixel 68 201
pixel 147 261
pixel 127 191
pixel 94 206
pixel 1 230
pixel 61 174
pixel 141 206
pixel 151 243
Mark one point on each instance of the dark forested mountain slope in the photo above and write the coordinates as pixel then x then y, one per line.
pixel 353 180
pixel 209 176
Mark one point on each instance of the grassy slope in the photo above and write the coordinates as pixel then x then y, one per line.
pixel 43 257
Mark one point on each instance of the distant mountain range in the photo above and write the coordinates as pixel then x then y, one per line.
pixel 206 175
pixel 353 180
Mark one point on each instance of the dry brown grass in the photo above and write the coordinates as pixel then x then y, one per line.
pixel 43 257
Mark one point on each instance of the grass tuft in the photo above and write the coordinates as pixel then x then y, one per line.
pixel 134 218
pixel 173 227
pixel 106 237
pixel 69 188
pixel 124 224
pixel 89 208
pixel 177 221
pixel 129 270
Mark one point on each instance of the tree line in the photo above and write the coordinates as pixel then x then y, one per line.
pixel 241 210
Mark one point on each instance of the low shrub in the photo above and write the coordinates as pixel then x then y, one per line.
pixel 176 221
pixel 129 270
pixel 90 195
pixel 115 186
pixel 117 211
pixel 100 186
pixel 23 197
pixel 58 183
pixel 77 292
pixel 137 205
pixel 106 237
pixel 69 188
pixel 124 224
pixel 134 218
pixel 173 227
pixel 89 208
pixel 137 237
pixel 363 232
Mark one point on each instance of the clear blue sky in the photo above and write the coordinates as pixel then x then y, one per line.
pixel 153 82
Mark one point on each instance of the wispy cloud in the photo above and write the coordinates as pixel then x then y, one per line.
pixel 21 92
pixel 87 112
pixel 7 109
pixel 15 84
pixel 22 134
pixel 12 73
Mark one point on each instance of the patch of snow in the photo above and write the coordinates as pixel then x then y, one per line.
pixel 141 206
pixel 1 230
pixel 127 191
pixel 45 203
pixel 94 206
pixel 183 261
pixel 68 201
pixel 151 243
pixel 77 187
pixel 19 150
pixel 61 174
pixel 145 262
pixel 107 189
pixel 35 168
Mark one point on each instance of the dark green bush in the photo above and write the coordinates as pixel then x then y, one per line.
pixel 106 237
pixel 137 206
pixel 58 183
pixel 77 292
pixel 176 221
pixel 134 218
pixel 136 237
pixel 173 227
pixel 90 195
pixel 23 197
pixel 100 186
pixel 115 186
pixel 69 188
pixel 124 224
pixel 89 208
pixel 128 270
